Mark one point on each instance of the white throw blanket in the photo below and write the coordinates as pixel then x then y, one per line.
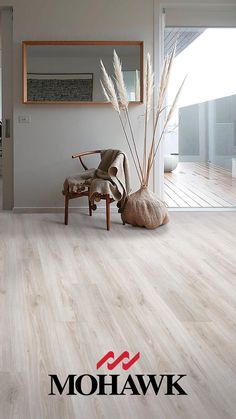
pixel 111 177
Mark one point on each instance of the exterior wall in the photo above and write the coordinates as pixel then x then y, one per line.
pixel 207 132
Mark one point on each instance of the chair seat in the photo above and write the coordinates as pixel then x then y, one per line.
pixel 79 189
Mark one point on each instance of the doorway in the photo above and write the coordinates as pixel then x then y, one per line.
pixel 200 148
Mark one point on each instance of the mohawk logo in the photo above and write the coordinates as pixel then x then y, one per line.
pixel 117 361
pixel 116 384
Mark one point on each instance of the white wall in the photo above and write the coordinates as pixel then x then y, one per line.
pixel 43 148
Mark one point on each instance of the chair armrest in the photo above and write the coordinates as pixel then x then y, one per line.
pixel 85 153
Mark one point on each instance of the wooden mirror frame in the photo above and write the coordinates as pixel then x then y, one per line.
pixel 25 44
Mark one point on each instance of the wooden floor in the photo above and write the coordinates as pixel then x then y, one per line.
pixel 199 185
pixel 70 294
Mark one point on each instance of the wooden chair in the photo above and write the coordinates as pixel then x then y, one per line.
pixel 84 191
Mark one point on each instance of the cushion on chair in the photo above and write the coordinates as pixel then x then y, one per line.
pixel 78 182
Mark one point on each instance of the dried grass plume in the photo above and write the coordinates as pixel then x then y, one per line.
pixel 119 99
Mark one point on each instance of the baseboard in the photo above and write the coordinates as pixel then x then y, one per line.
pixel 51 210
pixel 102 209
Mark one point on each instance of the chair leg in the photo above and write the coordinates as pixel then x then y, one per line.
pixel 66 209
pixel 108 216
pixel 90 207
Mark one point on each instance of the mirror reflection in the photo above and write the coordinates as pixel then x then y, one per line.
pixel 72 73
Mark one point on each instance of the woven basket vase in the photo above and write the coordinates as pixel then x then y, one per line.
pixel 144 209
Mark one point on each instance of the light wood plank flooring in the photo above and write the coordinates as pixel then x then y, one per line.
pixel 70 294
pixel 199 185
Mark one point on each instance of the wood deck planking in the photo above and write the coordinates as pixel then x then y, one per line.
pixel 199 184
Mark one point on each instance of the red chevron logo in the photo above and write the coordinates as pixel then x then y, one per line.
pixel 111 365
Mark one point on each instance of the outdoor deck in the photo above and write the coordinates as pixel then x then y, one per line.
pixel 199 185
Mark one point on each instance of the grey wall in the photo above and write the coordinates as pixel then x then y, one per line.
pixel 189 143
pixel 207 131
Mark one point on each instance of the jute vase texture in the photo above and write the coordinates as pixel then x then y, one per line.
pixel 144 208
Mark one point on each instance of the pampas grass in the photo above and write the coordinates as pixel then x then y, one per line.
pixel 109 89
pixel 124 102
pixel 119 99
pixel 119 80
pixel 149 95
pixel 111 96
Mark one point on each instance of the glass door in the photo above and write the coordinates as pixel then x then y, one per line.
pixel 200 147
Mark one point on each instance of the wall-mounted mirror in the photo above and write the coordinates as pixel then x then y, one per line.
pixel 70 72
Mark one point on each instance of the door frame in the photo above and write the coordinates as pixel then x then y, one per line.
pixel 6 15
pixel 218 13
